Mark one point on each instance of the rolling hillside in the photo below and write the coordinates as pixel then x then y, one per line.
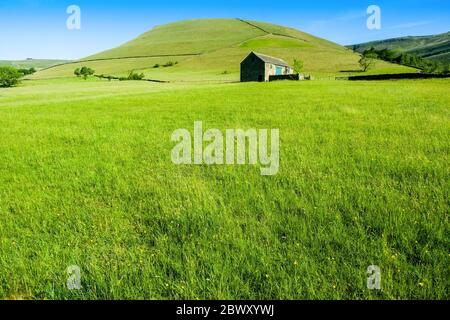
pixel 436 47
pixel 32 63
pixel 212 49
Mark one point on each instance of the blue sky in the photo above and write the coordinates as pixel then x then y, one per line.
pixel 37 28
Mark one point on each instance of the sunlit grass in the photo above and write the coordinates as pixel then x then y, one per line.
pixel 86 179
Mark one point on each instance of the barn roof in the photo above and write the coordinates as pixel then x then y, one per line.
pixel 272 60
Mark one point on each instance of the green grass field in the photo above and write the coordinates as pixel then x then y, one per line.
pixel 86 179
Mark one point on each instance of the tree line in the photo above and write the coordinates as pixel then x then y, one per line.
pixel 10 76
pixel 406 59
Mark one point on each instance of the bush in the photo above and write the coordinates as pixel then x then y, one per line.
pixel 298 66
pixel 446 69
pixel 165 65
pixel 131 76
pixel 84 71
pixel 105 76
pixel 9 77
pixel 135 76
pixel 170 64
pixel 26 72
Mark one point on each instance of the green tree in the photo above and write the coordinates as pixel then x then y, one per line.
pixel 446 69
pixel 77 72
pixel 431 67
pixel 86 72
pixel 298 65
pixel 9 76
pixel 367 61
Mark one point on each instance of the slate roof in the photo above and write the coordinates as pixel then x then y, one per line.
pixel 272 60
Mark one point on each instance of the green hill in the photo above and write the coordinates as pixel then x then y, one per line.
pixel 435 47
pixel 32 63
pixel 212 49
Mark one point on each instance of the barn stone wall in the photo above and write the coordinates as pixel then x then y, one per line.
pixel 253 69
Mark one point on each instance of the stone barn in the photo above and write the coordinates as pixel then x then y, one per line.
pixel 259 67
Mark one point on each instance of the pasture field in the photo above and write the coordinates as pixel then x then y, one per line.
pixel 86 179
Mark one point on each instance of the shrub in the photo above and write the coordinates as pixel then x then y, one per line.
pixel 429 67
pixel 156 66
pixel 103 76
pixel 170 64
pixel 298 66
pixel 84 71
pixel 446 69
pixel 26 72
pixel 135 76
pixel 9 77
pixel 131 76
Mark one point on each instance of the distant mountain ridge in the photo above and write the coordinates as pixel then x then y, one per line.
pixel 32 63
pixel 433 47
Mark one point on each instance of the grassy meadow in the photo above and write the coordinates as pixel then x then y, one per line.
pixel 86 179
